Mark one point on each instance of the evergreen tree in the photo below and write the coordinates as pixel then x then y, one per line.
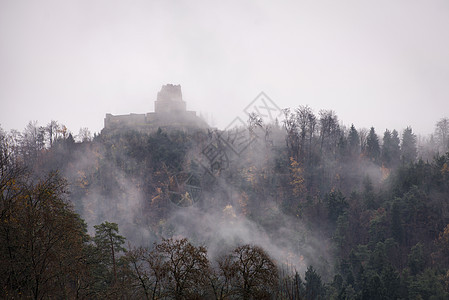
pixel 408 147
pixel 416 259
pixel 395 150
pixel 299 286
pixel 428 285
pixel 353 142
pixel 109 244
pixel 396 224
pixel 372 146
pixel 336 205
pixel 386 149
pixel 368 194
pixel 314 285
pixel 373 289
pixel 391 282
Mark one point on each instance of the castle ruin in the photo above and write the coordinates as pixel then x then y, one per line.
pixel 170 112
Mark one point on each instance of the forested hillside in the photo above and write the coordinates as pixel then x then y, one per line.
pixel 306 208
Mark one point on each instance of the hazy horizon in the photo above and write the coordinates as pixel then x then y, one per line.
pixel 377 63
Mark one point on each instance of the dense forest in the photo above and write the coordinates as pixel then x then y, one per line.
pixel 305 208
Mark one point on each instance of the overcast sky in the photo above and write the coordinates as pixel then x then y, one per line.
pixel 376 63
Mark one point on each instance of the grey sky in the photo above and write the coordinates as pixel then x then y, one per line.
pixel 376 63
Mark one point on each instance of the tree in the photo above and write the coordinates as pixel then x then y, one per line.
pixel 428 285
pixel 353 142
pixel 443 245
pixel 373 289
pixel 386 149
pixel 165 150
pixel 222 279
pixel 297 178
pixel 254 274
pixel 442 134
pixel 109 244
pixel 363 134
pixel 336 205
pixel 395 149
pixel 140 275
pixel 408 146
pixel 84 135
pixel 329 131
pixel 32 141
pixel 52 129
pixel 292 139
pixel 369 195
pixel 300 127
pixel 306 124
pixel 391 282
pixel 41 238
pixel 313 284
pixel 372 146
pixel 416 259
pixel 185 268
pixel 396 223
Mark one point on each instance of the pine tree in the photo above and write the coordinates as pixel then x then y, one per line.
pixel 353 142
pixel 386 149
pixel 314 285
pixel 372 146
pixel 395 151
pixel 109 243
pixel 408 147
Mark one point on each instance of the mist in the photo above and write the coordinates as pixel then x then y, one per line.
pixel 108 184
pixel 327 143
pixel 220 218
pixel 78 60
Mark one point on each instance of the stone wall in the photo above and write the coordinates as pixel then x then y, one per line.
pixel 169 100
pixel 170 112
pixel 124 120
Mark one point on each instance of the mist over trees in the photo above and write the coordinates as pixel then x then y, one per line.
pixel 307 208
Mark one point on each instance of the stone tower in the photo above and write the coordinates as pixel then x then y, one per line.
pixel 170 113
pixel 169 100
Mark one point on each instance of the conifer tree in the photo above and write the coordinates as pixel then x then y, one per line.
pixel 109 243
pixel 408 147
pixel 353 142
pixel 372 146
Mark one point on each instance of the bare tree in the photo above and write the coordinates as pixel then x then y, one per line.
pixel 306 124
pixel 252 273
pixel 52 129
pixel 363 134
pixel 442 134
pixel 140 279
pixel 292 139
pixel 183 267
pixel 84 135
pixel 300 126
pixel 329 130
pixel 41 238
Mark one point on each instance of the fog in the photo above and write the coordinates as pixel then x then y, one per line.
pixel 219 218
pixel 377 63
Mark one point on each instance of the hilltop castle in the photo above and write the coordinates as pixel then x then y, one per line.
pixel 169 113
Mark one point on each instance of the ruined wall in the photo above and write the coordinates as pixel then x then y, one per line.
pixel 169 100
pixel 170 112
pixel 124 120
